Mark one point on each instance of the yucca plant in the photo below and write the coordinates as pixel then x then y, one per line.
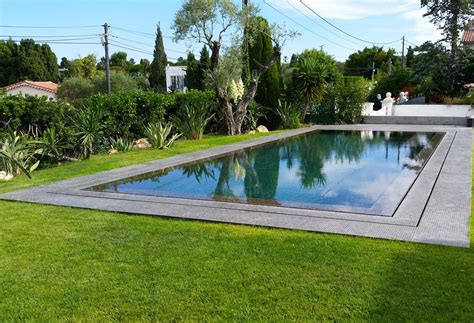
pixel 19 154
pixel 88 125
pixel 191 120
pixel 159 135
pixel 122 144
pixel 53 146
pixel 289 114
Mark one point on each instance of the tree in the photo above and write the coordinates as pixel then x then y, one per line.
pixel 311 79
pixel 450 16
pixel 84 67
pixel 158 65
pixel 435 70
pixel 26 61
pixel 119 61
pixel 204 66
pixel 192 79
pixel 259 51
pixel 209 22
pixel 410 57
pixel 197 19
pixel 360 63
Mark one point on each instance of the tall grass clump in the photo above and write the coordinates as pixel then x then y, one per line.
pixel 191 120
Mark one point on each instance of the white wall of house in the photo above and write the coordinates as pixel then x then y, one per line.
pixel 424 110
pixel 175 76
pixel 28 90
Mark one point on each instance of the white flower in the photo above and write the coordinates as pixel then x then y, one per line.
pixel 236 90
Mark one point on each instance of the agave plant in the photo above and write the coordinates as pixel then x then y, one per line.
pixel 191 120
pixel 18 154
pixel 122 144
pixel 159 135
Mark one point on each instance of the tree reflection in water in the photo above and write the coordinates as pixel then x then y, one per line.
pixel 322 167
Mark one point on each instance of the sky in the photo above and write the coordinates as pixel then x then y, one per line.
pixel 373 21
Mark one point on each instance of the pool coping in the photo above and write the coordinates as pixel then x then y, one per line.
pixel 435 210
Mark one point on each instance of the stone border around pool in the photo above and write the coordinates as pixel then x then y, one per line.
pixel 435 210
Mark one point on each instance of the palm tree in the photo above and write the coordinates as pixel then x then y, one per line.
pixel 311 78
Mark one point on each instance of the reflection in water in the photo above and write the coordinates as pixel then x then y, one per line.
pixel 335 170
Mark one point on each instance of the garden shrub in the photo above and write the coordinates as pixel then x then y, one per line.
pixel 343 102
pixel 33 115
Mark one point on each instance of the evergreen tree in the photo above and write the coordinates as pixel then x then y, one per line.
pixel 192 79
pixel 49 58
pixel 410 57
pixel 31 65
pixel 260 50
pixel 204 66
pixel 158 65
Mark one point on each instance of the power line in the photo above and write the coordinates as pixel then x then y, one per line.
pixel 49 40
pixel 136 42
pixel 139 33
pixel 132 49
pixel 344 32
pixel 49 27
pixel 49 36
pixel 55 42
pixel 303 26
pixel 320 25
pixel 409 42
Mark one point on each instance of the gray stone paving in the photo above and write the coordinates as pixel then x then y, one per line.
pixel 436 209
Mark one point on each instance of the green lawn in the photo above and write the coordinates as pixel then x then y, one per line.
pixel 60 263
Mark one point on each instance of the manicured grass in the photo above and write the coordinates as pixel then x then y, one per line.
pixel 60 263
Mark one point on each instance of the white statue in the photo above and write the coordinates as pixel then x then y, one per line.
pixel 387 104
pixel 403 97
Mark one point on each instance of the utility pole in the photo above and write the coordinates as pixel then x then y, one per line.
pixel 389 66
pixel 373 71
pixel 403 52
pixel 107 62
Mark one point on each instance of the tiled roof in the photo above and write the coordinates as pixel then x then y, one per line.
pixel 468 36
pixel 46 86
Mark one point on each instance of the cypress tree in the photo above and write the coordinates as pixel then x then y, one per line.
pixel 193 80
pixel 260 51
pixel 158 74
pixel 49 58
pixel 204 66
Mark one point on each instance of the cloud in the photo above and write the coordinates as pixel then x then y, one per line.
pixel 349 9
pixel 421 28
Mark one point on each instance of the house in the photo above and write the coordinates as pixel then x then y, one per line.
pixel 467 38
pixel 48 89
pixel 175 76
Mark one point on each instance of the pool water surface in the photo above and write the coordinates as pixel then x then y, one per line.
pixel 366 172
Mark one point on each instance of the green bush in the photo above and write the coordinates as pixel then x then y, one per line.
pixel 393 83
pixel 350 97
pixel 75 88
pixel 33 115
pixel 343 103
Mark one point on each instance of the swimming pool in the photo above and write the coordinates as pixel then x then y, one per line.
pixel 367 172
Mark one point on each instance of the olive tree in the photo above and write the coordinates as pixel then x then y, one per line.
pixel 212 22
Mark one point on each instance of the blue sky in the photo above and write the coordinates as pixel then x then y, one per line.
pixel 372 20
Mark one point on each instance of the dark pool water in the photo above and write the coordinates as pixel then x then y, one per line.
pixel 348 171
